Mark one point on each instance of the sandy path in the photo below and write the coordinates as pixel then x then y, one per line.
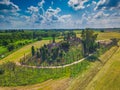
pixel 63 66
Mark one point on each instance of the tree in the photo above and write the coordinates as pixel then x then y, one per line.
pixel 11 47
pixel 39 38
pixel 44 53
pixel 65 46
pixel 53 36
pixel 38 54
pixel 55 52
pixel 33 50
pixel 88 41
pixel 5 42
pixel 115 41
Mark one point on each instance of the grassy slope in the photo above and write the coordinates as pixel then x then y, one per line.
pixel 25 50
pixel 4 51
pixel 81 81
pixel 109 76
pixel 100 37
pixel 59 84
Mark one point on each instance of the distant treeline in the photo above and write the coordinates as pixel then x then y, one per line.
pixel 14 35
pixel 12 39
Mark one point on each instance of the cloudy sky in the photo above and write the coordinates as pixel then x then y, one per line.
pixel 48 14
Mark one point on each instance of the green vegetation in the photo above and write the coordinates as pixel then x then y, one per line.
pixel 12 40
pixel 51 50
pixel 63 52
pixel 82 81
pixel 18 54
pixel 33 50
pixel 89 42
pixel 3 50
pixel 14 75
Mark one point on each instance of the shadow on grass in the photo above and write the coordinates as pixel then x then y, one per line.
pixel 93 58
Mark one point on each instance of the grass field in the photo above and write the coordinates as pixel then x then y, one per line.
pixel 59 84
pixel 24 41
pixel 108 35
pixel 32 76
pixel 107 79
pixel 109 76
pixel 105 35
pixel 2 50
pixel 27 76
pixel 15 56
pixel 81 81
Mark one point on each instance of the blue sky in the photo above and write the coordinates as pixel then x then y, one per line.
pixel 56 14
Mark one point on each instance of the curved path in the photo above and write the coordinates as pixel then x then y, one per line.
pixel 63 66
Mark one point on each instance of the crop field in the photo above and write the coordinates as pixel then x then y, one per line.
pixel 104 35
pixel 108 35
pixel 82 81
pixel 109 76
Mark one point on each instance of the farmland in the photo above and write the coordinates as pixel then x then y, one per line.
pixel 59 44
pixel 77 73
pixel 108 74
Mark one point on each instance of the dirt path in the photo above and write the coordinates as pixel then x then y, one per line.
pixel 63 66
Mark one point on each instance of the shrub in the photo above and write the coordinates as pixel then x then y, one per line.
pixel 1 71
pixel 11 47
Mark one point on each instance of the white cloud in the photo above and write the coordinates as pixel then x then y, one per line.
pixel 7 6
pixel 41 3
pixel 50 17
pixel 100 14
pixel 108 5
pixel 88 5
pixel 52 3
pixel 33 9
pixel 77 4
pixel 65 18
pixel 93 2
pixel 100 19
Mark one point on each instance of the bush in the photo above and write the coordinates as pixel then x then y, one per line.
pixel 1 71
pixel 92 58
pixel 102 31
pixel 39 38
pixel 11 47
pixel 9 66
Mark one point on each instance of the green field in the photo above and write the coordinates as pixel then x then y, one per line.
pixel 25 76
pixel 3 50
pixel 32 76
pixel 109 76
pixel 15 56
pixel 82 81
